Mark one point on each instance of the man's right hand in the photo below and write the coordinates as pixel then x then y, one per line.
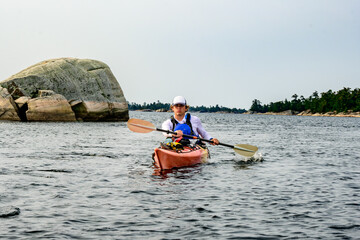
pixel 178 134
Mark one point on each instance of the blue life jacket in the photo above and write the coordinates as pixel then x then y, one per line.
pixel 186 128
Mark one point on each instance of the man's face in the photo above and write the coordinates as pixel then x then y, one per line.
pixel 179 109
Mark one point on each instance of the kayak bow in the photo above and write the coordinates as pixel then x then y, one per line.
pixel 189 156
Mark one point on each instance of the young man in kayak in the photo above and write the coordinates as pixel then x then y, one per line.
pixel 184 123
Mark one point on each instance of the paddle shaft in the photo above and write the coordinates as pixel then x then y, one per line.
pixel 142 126
pixel 203 139
pixel 184 135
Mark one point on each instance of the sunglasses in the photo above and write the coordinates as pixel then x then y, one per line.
pixel 179 105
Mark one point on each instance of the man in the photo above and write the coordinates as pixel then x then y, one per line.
pixel 181 122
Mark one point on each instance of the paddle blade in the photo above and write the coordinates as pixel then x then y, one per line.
pixel 140 126
pixel 245 150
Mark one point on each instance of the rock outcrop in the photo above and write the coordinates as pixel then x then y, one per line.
pixel 9 211
pixel 64 89
pixel 8 108
pixel 49 106
pixel 349 113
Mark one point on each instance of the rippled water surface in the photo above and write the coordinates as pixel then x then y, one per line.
pixel 96 180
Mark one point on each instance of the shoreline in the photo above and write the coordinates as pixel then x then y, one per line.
pixel 285 113
pixel 308 113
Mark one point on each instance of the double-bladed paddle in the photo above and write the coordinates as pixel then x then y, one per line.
pixel 142 126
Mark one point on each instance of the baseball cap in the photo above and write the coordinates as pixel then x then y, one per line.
pixel 179 100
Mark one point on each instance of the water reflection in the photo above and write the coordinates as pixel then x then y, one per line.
pixel 179 173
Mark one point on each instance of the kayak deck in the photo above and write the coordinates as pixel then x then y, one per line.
pixel 189 156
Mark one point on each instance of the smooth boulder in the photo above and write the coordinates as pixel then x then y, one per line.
pixel 8 108
pixel 49 106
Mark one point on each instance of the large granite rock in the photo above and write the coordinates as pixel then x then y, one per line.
pixel 89 87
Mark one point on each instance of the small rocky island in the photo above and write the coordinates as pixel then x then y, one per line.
pixel 63 89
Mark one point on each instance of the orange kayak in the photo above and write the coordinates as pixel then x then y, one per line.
pixel 168 158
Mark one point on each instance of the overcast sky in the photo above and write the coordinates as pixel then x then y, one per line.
pixel 226 52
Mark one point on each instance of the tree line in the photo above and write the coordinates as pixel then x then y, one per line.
pixel 341 101
pixel 166 106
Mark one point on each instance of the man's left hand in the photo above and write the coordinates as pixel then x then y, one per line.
pixel 215 141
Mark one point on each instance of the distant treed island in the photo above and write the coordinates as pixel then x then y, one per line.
pixel 342 102
pixel 164 107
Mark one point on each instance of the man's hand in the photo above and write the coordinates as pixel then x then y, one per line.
pixel 215 141
pixel 178 134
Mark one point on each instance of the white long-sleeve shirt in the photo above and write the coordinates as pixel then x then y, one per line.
pixel 195 123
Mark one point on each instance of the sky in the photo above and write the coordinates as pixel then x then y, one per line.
pixel 225 52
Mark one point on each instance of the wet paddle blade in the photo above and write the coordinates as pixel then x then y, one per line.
pixel 245 150
pixel 140 126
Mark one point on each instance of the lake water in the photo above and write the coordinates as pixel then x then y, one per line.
pixel 96 181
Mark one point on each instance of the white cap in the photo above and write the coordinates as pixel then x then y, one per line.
pixel 179 100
